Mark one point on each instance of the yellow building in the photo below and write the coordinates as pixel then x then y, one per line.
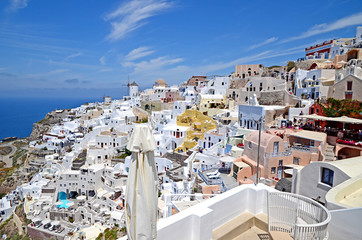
pixel 198 123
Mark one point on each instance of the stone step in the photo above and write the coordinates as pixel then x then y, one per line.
pixel 276 235
pixel 237 226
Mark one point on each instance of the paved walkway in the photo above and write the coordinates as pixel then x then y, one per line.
pixel 229 181
pixel 6 159
pixel 18 223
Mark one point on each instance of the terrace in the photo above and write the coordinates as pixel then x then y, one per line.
pixel 249 212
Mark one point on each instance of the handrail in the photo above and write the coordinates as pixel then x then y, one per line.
pixel 285 210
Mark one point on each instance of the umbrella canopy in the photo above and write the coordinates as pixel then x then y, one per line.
pixel 81 198
pixel 141 192
pixel 308 80
pixel 342 62
pixel 328 61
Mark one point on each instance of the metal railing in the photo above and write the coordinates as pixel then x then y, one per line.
pixel 304 149
pixel 288 151
pixel 278 154
pixel 301 217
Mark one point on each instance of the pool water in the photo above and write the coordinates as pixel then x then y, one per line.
pixel 64 203
pixel 63 199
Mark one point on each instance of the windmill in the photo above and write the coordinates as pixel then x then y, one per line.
pixel 127 85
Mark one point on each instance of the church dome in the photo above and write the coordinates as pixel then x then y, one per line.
pixel 160 83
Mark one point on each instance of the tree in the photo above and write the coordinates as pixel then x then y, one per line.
pixel 344 107
pixel 290 65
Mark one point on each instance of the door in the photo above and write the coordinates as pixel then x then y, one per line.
pixel 280 172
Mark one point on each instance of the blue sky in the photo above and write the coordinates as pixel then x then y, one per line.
pixel 74 48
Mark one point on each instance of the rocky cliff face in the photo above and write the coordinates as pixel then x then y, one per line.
pixel 38 130
pixel 277 98
pixel 44 125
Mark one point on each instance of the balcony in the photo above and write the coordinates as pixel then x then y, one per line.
pixel 296 217
pixel 249 212
pixel 304 149
pixel 289 151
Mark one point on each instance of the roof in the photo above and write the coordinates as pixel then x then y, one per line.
pixel 116 215
pixel 241 164
pixel 318 136
pixel 227 159
pixel 134 84
pixel 174 127
pixel 160 82
pixel 211 96
pixel 265 138
pixel 351 166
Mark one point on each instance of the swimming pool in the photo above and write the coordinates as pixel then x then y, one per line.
pixel 64 203
pixel 63 199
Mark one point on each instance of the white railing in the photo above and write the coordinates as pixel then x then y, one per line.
pixel 301 217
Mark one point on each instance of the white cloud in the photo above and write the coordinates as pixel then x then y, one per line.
pixel 138 53
pixel 131 15
pixel 153 64
pixel 73 56
pixel 102 60
pixel 15 5
pixel 269 40
pixel 106 70
pixel 351 20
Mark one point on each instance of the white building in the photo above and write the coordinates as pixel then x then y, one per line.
pixel 210 139
pixel 133 90
pixel 217 86
pixel 317 178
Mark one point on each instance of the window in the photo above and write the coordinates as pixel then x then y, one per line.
pixel 349 86
pixel 276 147
pixel 296 161
pixel 272 170
pixel 327 176
pixel 250 145
pixel 280 162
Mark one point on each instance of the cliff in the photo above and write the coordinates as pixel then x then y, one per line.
pixel 44 125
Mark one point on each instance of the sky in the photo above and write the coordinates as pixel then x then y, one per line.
pixel 82 48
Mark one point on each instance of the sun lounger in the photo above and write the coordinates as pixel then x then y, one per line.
pixel 212 173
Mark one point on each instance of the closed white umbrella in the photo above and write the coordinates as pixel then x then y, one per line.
pixel 141 192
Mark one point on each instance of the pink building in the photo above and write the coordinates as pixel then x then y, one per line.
pixel 278 153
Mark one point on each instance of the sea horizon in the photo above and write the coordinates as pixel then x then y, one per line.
pixel 19 114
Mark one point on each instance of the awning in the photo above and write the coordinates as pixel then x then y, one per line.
pixel 289 171
pixel 343 119
pixel 317 136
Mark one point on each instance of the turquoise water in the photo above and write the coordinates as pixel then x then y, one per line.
pixel 63 198
pixel 64 203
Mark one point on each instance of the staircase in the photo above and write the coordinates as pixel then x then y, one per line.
pixel 244 226
pixel 330 153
